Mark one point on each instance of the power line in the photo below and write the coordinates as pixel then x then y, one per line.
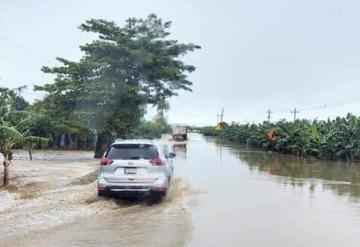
pixel 281 111
pixel 325 106
pixel 25 49
pixel 314 108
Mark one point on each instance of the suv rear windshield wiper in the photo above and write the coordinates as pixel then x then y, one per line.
pixel 134 157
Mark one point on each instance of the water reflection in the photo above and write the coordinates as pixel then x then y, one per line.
pixel 281 198
pixel 339 177
pixel 180 149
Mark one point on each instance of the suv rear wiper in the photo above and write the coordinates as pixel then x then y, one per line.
pixel 135 158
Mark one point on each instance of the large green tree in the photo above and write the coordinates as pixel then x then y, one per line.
pixel 123 70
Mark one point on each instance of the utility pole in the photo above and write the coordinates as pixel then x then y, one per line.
pixel 295 111
pixel 222 115
pixel 269 115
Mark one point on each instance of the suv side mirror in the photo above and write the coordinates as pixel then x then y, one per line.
pixel 172 155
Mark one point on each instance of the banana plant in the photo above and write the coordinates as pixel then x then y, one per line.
pixel 14 130
pixel 9 137
pixel 337 139
pixel 31 141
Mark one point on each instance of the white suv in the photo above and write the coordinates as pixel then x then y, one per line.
pixel 130 167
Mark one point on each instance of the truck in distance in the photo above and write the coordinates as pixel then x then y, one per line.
pixel 179 132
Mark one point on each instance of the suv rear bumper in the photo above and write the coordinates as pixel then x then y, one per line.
pixel 130 192
pixel 106 188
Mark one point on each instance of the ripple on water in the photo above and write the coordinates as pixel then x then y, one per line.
pixel 112 221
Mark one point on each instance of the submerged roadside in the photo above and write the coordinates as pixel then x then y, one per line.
pixel 48 191
pixel 58 189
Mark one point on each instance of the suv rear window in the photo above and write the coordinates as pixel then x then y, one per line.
pixel 132 152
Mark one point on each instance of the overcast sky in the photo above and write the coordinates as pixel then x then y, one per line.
pixel 256 55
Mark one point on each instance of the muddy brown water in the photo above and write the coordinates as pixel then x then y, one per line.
pixel 221 196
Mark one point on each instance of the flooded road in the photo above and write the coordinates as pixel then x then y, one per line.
pixel 221 196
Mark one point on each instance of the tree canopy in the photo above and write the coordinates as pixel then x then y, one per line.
pixel 121 72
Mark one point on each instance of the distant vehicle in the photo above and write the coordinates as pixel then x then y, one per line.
pixel 179 132
pixel 135 167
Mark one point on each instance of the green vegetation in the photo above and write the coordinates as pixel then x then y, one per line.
pixel 121 72
pixel 150 129
pixel 337 139
pixel 104 95
pixel 15 127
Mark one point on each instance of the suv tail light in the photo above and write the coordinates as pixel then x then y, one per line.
pixel 156 162
pixel 105 161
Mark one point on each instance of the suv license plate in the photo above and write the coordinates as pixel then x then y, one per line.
pixel 130 170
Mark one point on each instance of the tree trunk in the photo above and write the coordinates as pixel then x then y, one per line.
pixel 6 164
pixel 71 143
pixel 76 142
pixel 99 145
pixel 30 153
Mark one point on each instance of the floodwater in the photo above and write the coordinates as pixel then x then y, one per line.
pixel 221 195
